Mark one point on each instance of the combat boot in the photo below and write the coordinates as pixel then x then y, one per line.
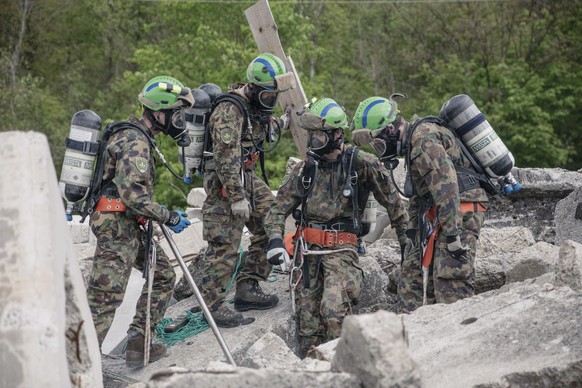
pixel 134 351
pixel 249 296
pixel 225 317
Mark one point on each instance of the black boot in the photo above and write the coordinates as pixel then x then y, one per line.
pixel 225 317
pixel 135 350
pixel 249 296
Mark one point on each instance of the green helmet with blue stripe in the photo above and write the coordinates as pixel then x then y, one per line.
pixel 164 92
pixel 375 113
pixel 332 114
pixel 263 69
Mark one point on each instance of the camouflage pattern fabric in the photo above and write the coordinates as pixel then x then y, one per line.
pixel 223 230
pixel 434 153
pixel 130 165
pixel 119 248
pixel 337 280
pixel 450 279
pixel 326 202
pixel 335 285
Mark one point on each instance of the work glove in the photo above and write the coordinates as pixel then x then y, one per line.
pixel 456 248
pixel 178 221
pixel 241 208
pixel 277 254
pixel 410 242
pixel 284 119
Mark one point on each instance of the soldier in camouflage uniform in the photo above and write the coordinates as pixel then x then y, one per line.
pixel 236 196
pixel 330 222
pixel 124 196
pixel 441 189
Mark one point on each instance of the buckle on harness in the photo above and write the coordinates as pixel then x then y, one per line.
pixel 330 238
pixel 251 159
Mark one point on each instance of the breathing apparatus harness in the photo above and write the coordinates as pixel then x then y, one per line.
pixel 305 184
pixel 273 136
pixel 98 188
pixel 308 175
pixel 467 179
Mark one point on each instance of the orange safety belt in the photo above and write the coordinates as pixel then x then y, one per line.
pixel 429 251
pixel 431 213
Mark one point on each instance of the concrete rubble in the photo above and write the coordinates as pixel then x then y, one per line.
pixel 522 329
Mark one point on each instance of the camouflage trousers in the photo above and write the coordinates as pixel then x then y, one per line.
pixel 119 248
pixel 223 232
pixel 335 284
pixel 450 279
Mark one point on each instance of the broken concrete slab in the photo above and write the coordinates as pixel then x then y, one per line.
pixel 373 347
pixel 484 339
pixel 47 337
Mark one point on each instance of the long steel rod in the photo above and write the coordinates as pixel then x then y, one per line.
pixel 198 295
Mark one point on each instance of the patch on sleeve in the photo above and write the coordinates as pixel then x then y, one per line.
pixel 226 135
pixel 141 164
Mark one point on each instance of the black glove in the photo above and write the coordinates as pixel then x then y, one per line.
pixel 277 254
pixel 456 248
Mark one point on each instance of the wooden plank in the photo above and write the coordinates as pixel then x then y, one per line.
pixel 266 34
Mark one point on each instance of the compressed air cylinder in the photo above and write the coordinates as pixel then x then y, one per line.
pixel 478 136
pixel 212 90
pixel 82 147
pixel 195 118
pixel 369 213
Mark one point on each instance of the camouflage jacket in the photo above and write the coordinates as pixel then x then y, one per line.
pixel 433 156
pixel 130 165
pixel 326 204
pixel 229 142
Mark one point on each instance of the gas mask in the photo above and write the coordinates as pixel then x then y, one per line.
pixel 173 125
pixel 385 141
pixel 264 100
pixel 325 141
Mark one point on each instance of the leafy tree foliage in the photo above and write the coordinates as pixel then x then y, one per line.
pixel 519 60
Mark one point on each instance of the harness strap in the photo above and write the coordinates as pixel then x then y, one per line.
pixel 336 226
pixel 106 204
pixel 328 238
pixel 466 207
pixel 86 147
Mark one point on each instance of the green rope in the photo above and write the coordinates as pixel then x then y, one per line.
pixel 236 268
pixel 273 276
pixel 196 324
pixel 196 321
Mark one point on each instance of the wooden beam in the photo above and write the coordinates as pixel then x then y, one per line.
pixel 266 35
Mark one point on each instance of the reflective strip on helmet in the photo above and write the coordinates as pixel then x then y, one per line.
pixel 268 66
pixel 327 108
pixel 170 88
pixel 367 110
pixel 389 117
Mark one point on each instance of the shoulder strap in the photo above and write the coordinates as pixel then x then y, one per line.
pixel 351 185
pixel 466 177
pixel 96 186
pixel 306 181
pixel 240 104
pixel 236 100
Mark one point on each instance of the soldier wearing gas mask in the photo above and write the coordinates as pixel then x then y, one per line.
pixel 446 208
pixel 241 126
pixel 124 203
pixel 331 187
